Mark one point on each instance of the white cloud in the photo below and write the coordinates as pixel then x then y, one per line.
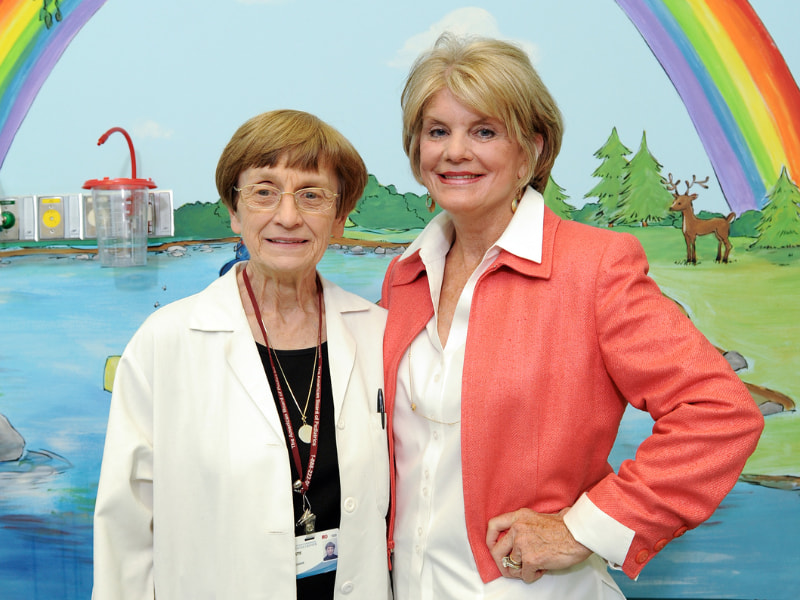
pixel 152 130
pixel 463 21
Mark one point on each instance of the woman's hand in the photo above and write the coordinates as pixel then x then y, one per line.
pixel 539 542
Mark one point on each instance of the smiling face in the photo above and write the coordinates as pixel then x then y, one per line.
pixel 468 161
pixel 285 242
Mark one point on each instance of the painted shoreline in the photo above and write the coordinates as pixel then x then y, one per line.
pixel 60 250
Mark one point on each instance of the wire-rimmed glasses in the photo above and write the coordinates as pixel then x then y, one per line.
pixel 262 196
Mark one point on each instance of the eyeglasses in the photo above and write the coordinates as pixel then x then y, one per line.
pixel 261 196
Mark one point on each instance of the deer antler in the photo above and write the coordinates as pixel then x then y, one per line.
pixel 701 183
pixel 671 185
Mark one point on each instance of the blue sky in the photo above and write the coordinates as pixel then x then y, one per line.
pixel 181 76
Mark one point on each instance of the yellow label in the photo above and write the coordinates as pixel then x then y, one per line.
pixel 51 200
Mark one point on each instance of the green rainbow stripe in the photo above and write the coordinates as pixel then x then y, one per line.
pixel 735 85
pixel 29 50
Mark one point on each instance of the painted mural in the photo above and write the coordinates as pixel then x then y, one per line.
pixel 707 180
pixel 35 34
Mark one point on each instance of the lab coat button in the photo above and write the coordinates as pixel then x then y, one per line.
pixel 680 531
pixel 642 557
pixel 347 587
pixel 660 544
pixel 350 504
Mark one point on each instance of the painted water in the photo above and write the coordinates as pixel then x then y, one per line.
pixel 61 317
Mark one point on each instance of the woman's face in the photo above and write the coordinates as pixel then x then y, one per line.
pixel 468 161
pixel 285 241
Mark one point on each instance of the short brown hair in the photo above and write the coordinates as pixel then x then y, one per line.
pixel 494 78
pixel 305 141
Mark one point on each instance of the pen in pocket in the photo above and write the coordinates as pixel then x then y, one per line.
pixel 382 408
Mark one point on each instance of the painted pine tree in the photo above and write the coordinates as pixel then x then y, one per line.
pixel 611 173
pixel 556 199
pixel 644 196
pixel 780 218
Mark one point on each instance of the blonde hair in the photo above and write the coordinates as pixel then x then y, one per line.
pixel 306 143
pixel 494 78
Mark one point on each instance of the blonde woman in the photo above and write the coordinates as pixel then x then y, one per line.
pixel 514 343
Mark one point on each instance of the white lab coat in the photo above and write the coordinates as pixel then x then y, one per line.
pixel 195 492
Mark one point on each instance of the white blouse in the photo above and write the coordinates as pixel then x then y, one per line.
pixel 432 558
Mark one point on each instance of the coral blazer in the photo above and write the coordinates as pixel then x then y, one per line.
pixel 554 354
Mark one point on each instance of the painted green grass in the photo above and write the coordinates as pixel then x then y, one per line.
pixel 401 236
pixel 750 305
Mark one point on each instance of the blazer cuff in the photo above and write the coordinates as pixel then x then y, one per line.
pixel 597 531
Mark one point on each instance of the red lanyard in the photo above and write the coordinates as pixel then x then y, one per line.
pixel 312 457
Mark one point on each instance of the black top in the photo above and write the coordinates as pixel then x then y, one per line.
pixel 324 491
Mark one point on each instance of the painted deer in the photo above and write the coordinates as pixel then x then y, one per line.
pixel 693 226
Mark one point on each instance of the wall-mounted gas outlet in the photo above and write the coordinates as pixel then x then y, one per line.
pixel 73 217
pixel 18 218
pixel 9 227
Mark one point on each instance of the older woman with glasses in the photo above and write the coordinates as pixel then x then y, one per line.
pixel 244 436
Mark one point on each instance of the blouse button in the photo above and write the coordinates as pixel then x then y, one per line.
pixel 659 546
pixel 347 587
pixel 642 557
pixel 680 531
pixel 350 504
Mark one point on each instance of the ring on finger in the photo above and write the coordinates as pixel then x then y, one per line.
pixel 510 563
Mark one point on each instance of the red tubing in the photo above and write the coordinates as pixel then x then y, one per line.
pixel 104 137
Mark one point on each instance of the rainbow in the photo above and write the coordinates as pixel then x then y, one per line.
pixel 33 35
pixel 736 86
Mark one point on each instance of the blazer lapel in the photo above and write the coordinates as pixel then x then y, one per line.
pixel 341 344
pixel 220 309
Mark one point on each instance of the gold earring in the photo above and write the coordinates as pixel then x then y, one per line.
pixel 430 203
pixel 515 201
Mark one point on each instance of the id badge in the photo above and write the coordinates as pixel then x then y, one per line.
pixel 317 552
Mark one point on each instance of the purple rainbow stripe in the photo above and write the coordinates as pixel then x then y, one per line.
pixel 730 155
pixel 35 63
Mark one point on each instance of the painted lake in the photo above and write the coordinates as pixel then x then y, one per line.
pixel 61 317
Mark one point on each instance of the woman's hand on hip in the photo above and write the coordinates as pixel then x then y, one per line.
pixel 537 542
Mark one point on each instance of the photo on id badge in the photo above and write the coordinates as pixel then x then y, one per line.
pixel 317 552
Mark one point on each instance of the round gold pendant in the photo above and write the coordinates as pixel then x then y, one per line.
pixel 304 433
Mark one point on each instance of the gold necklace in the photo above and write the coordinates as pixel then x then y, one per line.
pixel 304 433
pixel 411 397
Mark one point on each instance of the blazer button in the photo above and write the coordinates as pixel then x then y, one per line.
pixel 642 557
pixel 660 544
pixel 680 531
